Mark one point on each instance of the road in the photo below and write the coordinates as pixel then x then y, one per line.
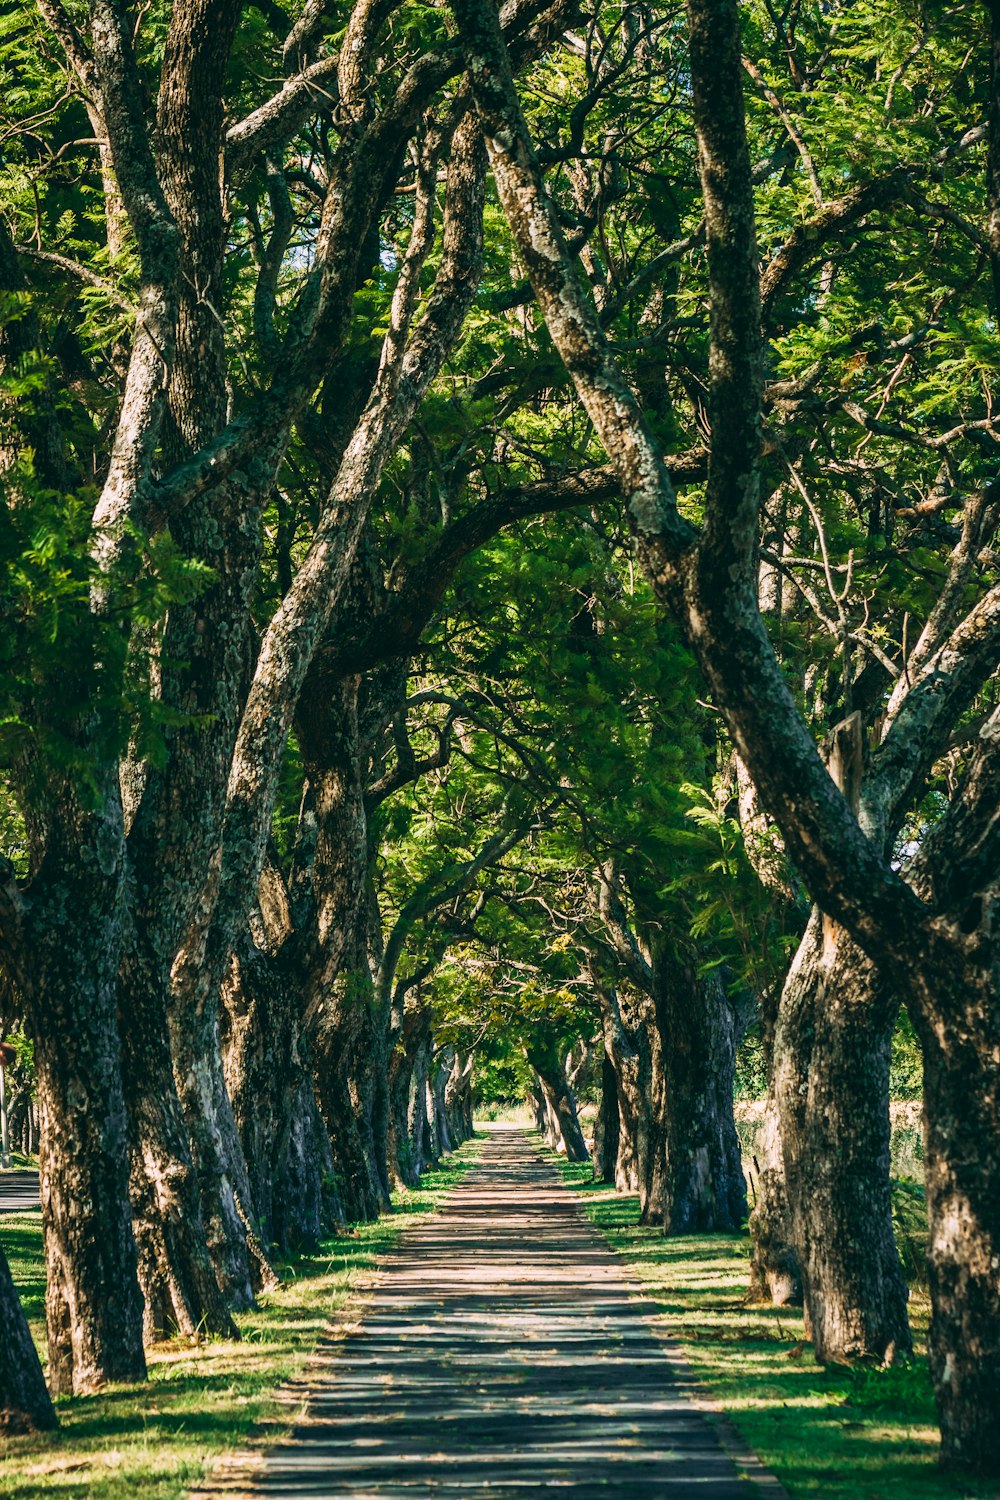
pixel 18 1191
pixel 506 1350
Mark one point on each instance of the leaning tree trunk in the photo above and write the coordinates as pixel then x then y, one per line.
pixel 25 1404
pixel 704 1187
pixel 832 1042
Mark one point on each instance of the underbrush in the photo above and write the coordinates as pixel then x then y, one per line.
pixel 158 1440
pixel 835 1432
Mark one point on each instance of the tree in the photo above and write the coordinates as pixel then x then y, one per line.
pixel 708 577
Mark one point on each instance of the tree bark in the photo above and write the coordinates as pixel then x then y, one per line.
pixel 832 1042
pixel 180 1291
pixel 269 1078
pixel 67 972
pixel 25 1404
pixel 607 1131
pixel 350 1030
pixel 440 1130
pixel 407 1086
pixel 543 1055
pixel 774 1263
pixel 418 1122
pixel 458 1099
pixel 704 1187
pixel 626 1053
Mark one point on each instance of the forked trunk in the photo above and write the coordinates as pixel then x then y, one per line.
pixel 25 1404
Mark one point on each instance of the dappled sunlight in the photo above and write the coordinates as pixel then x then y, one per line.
pixel 826 1431
pixel 201 1399
pixel 503 1350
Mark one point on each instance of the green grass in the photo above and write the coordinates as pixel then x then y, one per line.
pixel 156 1440
pixel 844 1434
pixel 21 1163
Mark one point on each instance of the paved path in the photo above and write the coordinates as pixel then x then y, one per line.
pixel 506 1350
pixel 18 1192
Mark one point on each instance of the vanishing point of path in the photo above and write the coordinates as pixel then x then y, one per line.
pixel 506 1351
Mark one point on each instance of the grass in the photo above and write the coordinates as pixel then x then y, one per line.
pixel 860 1434
pixel 158 1439
pixel 21 1163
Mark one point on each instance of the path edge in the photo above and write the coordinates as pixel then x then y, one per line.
pixel 731 1440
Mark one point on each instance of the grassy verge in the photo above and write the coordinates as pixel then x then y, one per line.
pixel 157 1440
pixel 844 1434
pixel 21 1163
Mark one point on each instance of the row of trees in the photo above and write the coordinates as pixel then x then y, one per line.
pixel 499 518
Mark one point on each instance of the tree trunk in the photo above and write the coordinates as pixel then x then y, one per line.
pixel 543 1055
pixel 774 1263
pixel 63 961
pixel 629 1046
pixel 407 1084
pixel 269 1080
pixel 350 1028
pixel 458 1100
pixel 93 1304
pixel 539 1107
pixel 704 1187
pixel 962 1161
pixel 440 1074
pixel 179 1287
pixel 832 1082
pixel 25 1404
pixel 418 1124
pixel 607 1131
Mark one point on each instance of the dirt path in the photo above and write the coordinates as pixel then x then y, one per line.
pixel 505 1351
